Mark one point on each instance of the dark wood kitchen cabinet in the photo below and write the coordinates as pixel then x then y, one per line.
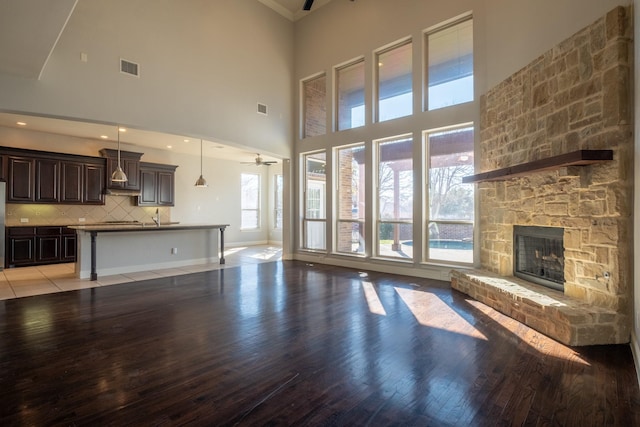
pixel 82 183
pixel 130 163
pixel 71 182
pixel 20 246
pixel 44 177
pixel 39 245
pixel 21 179
pixel 157 183
pixel 48 241
pixel 68 245
pixel 94 184
pixel 47 182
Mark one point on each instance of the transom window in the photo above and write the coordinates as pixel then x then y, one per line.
pixel 314 92
pixel 350 99
pixel 450 65
pixel 395 82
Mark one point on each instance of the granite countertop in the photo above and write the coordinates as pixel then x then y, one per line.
pixel 105 228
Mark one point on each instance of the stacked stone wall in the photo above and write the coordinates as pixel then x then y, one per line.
pixel 576 96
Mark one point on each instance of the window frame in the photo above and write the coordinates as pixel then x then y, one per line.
pixel 305 106
pixel 322 209
pixel 336 107
pixel 360 220
pixel 468 16
pixel 377 61
pixel 427 258
pixel 395 222
pixel 278 201
pixel 258 204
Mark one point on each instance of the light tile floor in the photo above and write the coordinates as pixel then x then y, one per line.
pixel 28 281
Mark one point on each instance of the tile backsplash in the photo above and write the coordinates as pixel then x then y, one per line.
pixel 116 208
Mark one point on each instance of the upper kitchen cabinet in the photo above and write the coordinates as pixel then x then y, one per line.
pixel 21 178
pixel 47 188
pixel 82 183
pixel 157 185
pixel 94 183
pixel 130 163
pixel 44 177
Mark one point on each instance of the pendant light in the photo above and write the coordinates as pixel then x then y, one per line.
pixel 118 175
pixel 201 182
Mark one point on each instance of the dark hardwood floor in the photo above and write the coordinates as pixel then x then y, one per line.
pixel 289 343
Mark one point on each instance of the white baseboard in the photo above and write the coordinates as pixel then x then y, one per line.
pixel 241 244
pixel 85 274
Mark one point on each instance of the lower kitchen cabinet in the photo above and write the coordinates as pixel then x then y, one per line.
pixel 69 245
pixel 39 245
pixel 21 246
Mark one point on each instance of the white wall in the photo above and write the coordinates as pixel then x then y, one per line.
pixel 519 31
pixel 204 66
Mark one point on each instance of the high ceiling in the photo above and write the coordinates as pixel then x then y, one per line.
pixel 292 9
pixel 37 25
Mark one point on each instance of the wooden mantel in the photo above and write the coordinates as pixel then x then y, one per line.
pixel 575 158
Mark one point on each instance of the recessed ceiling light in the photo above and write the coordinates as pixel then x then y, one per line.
pixel 169 146
pixel 186 140
pixel 21 123
pixel 122 130
pixel 104 137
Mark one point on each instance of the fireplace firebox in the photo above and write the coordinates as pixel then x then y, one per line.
pixel 539 255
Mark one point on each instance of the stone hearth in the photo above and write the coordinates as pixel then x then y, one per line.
pixel 566 319
pixel 574 97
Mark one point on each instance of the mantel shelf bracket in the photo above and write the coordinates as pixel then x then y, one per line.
pixel 575 158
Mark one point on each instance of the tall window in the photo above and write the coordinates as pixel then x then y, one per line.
pixel 250 201
pixel 277 201
pixel 314 221
pixel 395 88
pixel 314 92
pixel 451 212
pixel 350 100
pixel 350 199
pixel 395 197
pixel 450 65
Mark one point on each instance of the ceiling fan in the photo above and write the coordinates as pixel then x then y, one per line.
pixel 259 162
pixel 309 3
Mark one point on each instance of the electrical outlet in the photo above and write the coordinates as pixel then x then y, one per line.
pixel 81 220
pixel 24 219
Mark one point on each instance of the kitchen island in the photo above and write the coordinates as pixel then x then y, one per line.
pixel 126 248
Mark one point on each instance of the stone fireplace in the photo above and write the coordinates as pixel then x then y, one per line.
pixel 575 98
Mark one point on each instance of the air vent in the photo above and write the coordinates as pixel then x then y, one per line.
pixel 262 109
pixel 129 67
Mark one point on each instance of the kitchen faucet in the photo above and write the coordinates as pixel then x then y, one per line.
pixel 156 218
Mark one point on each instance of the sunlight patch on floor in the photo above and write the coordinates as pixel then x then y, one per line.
pixel 429 310
pixel 373 300
pixel 274 253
